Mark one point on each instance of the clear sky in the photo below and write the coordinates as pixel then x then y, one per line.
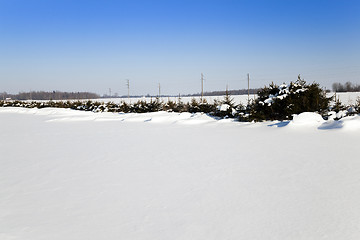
pixel 86 45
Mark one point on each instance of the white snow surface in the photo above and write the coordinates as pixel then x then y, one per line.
pixel 76 175
pixel 308 118
pixel 347 98
pixel 223 107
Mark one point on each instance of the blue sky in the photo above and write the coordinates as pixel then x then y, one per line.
pixel 92 46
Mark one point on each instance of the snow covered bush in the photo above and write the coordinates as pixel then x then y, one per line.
pixel 357 105
pixel 227 107
pixel 200 106
pixel 144 107
pixel 170 106
pixel 206 107
pixel 338 110
pixel 281 102
pixel 193 106
pixel 337 106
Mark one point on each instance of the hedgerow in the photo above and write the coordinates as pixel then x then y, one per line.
pixel 273 103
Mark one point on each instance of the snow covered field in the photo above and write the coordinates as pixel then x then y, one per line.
pixel 76 175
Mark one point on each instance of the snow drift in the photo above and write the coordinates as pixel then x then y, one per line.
pixel 80 175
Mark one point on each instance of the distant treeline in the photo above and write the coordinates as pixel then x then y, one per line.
pixel 54 95
pixel 58 95
pixel 347 87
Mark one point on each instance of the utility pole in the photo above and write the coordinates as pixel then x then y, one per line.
pixel 128 87
pixel 202 86
pixel 248 77
pixel 159 91
pixel 109 92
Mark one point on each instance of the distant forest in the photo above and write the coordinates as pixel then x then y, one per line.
pixel 54 95
pixel 347 87
pixel 58 95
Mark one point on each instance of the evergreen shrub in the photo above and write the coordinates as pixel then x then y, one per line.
pixel 281 102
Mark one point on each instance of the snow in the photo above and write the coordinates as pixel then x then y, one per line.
pixel 223 107
pixel 269 101
pixel 307 118
pixel 347 98
pixel 77 175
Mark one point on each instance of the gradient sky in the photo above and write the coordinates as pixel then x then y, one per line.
pixel 84 45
